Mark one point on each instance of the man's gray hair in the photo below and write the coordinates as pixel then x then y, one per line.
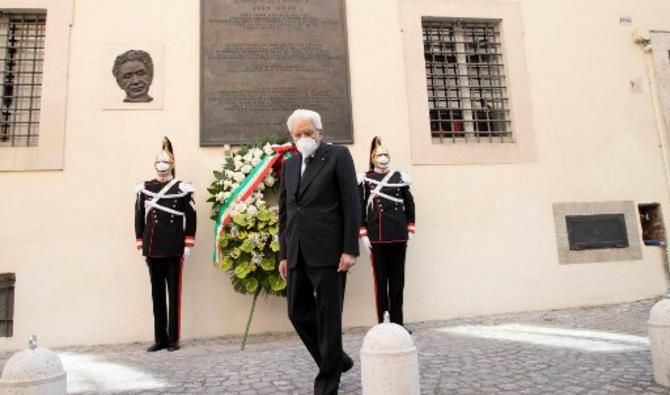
pixel 305 115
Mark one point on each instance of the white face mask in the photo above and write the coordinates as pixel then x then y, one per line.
pixel 307 146
pixel 162 167
pixel 383 161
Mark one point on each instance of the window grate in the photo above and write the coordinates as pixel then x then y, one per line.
pixel 7 281
pixel 467 93
pixel 21 63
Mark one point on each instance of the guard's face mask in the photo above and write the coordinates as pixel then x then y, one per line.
pixel 381 161
pixel 162 167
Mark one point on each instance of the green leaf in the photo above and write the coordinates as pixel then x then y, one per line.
pixel 274 246
pixel 240 219
pixel 268 264
pixel 227 263
pixel 251 285
pixel 223 241
pixel 247 245
pixel 211 200
pixel 276 283
pixel 218 175
pixel 263 215
pixel 274 230
pixel 242 270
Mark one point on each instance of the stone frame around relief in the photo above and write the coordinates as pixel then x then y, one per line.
pixel 113 95
pixel 627 208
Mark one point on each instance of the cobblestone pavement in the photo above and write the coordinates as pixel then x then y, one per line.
pixel 597 350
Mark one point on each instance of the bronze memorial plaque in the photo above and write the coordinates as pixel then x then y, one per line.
pixel 262 59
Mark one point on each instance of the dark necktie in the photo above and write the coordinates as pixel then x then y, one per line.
pixel 308 160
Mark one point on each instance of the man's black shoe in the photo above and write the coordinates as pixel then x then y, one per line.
pixel 173 347
pixel 156 347
pixel 347 362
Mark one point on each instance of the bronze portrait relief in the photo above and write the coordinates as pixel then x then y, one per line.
pixel 134 73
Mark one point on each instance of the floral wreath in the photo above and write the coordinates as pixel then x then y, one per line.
pixel 243 197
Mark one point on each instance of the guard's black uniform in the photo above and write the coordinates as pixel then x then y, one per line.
pixel 163 227
pixel 387 218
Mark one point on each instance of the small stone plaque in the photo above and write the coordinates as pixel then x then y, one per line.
pixel 262 59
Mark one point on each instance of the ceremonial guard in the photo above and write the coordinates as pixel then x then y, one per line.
pixel 165 222
pixel 387 208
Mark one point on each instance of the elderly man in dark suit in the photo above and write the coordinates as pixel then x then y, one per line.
pixel 319 214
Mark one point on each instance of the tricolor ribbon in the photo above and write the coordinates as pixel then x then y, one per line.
pixel 245 190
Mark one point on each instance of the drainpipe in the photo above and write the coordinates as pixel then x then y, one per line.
pixel 643 39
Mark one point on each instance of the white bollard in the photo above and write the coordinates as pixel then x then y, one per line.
pixel 36 371
pixel 659 341
pixel 389 362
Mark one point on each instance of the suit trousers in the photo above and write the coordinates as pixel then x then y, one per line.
pixel 315 301
pixel 388 264
pixel 165 273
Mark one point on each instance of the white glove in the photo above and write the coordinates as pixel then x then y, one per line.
pixel 187 252
pixel 366 242
pixel 409 236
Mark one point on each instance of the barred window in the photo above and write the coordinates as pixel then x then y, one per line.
pixel 7 281
pixel 22 51
pixel 467 95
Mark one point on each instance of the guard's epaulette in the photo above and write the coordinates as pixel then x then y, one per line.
pixel 139 187
pixel 186 187
pixel 360 177
pixel 406 178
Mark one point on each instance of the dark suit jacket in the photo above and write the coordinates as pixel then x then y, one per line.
pixel 320 213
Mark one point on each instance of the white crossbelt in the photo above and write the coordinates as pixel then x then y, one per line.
pixel 389 197
pixel 158 196
pixel 172 196
pixel 384 184
pixel 377 190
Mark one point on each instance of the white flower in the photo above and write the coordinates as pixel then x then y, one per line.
pixel 261 187
pixel 269 181
pixel 220 196
pixel 234 230
pixel 267 148
pixel 241 207
pixel 239 177
pixel 258 153
pixel 246 169
pixel 226 195
pixel 252 210
pixel 255 161
pixel 247 157
pixel 260 203
pixel 257 257
pixel 222 182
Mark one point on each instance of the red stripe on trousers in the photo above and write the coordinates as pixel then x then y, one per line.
pixel 181 269
pixel 374 277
